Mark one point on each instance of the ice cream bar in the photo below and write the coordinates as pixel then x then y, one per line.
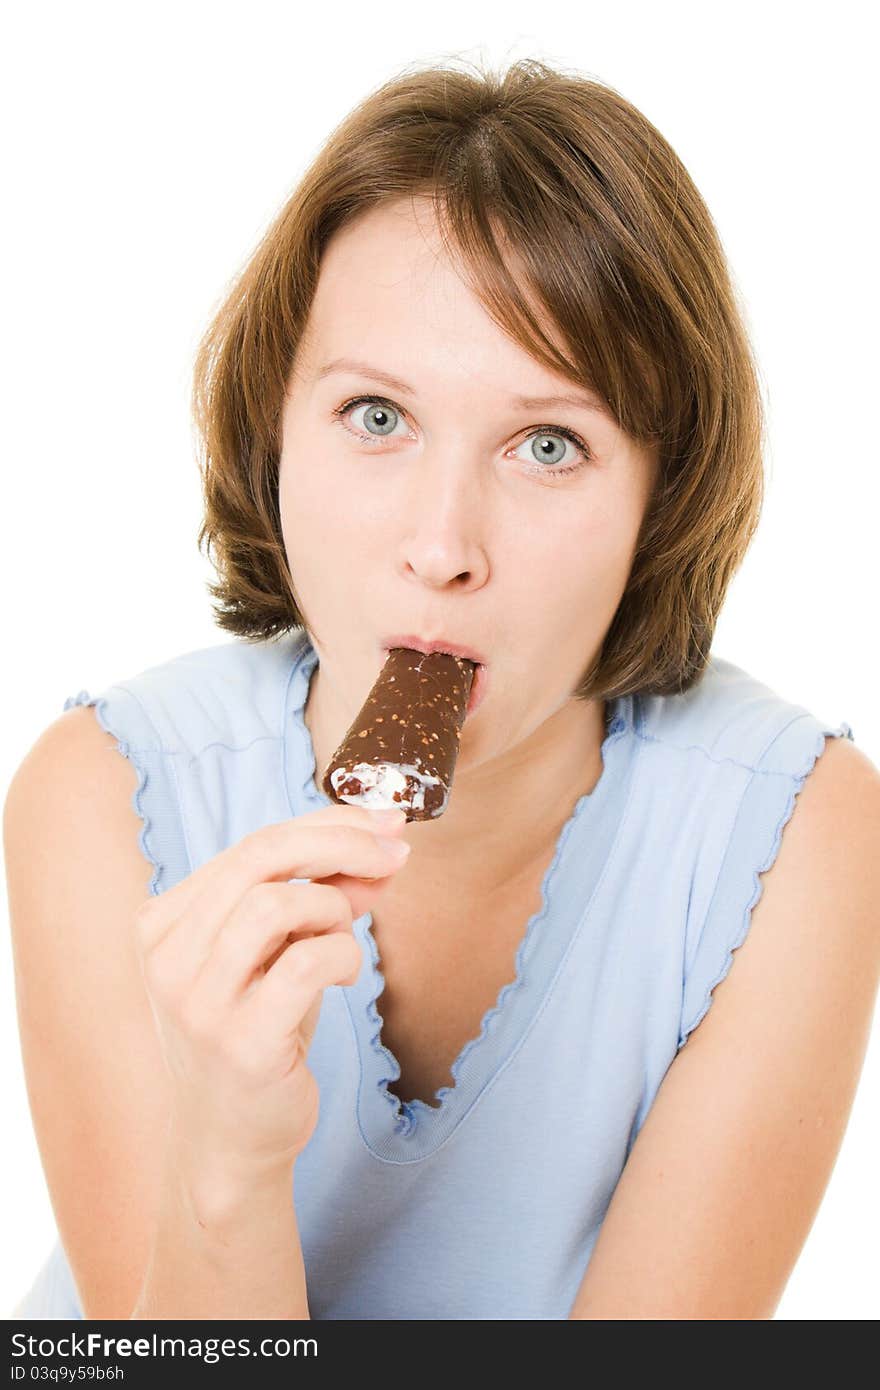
pixel 402 748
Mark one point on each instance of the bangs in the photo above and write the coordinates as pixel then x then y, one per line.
pixel 551 282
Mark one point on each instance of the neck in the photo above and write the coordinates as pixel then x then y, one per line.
pixel 505 812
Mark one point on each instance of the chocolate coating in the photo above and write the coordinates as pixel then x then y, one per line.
pixel 402 748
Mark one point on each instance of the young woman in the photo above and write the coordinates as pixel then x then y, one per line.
pixel 484 385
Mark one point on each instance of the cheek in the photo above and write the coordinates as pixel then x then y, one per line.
pixel 580 564
pixel 585 542
pixel 337 500
pixel 307 504
pixel 299 513
pixel 327 532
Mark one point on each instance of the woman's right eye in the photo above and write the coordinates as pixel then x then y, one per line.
pixel 380 418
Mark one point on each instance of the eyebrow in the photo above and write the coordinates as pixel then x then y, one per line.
pixel 584 399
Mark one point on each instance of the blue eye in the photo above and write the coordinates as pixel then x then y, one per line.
pixel 384 416
pixel 546 449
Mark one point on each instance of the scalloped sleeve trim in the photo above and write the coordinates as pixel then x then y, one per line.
pixel 766 807
pixel 156 798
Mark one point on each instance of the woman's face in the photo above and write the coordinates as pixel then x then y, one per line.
pixel 447 508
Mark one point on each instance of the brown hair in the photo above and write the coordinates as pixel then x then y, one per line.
pixel 611 238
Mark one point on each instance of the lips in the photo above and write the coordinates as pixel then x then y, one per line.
pixel 439 644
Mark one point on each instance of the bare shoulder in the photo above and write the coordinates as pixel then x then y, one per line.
pixel 72 763
pixel 730 1167
pixel 843 780
pixel 95 1076
pixel 70 803
pixel 817 920
pixel 823 890
pixel 829 845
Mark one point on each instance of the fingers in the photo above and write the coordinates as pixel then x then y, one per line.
pixel 290 988
pixel 268 916
pixel 310 847
pixel 160 911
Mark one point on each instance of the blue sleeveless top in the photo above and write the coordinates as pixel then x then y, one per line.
pixel 487 1203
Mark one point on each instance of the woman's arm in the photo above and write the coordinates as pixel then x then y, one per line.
pixel 127 1202
pixel 223 1249
pixel 96 1080
pixel 728 1172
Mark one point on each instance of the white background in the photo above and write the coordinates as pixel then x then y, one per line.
pixel 147 149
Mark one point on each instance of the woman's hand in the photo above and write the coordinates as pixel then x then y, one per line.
pixel 235 961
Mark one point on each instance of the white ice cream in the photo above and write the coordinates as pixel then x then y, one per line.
pixel 380 781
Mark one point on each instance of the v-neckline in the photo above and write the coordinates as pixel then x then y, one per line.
pixel 403 1131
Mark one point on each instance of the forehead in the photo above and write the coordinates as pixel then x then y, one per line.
pixel 399 242
pixel 389 272
pixel 393 305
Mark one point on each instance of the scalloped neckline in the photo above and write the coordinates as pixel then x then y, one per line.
pixel 399 1130
pixel 407 1112
pixel 532 889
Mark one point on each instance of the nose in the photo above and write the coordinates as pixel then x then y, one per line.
pixel 445 520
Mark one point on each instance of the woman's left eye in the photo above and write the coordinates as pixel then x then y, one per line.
pixel 546 442
pixel 547 446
